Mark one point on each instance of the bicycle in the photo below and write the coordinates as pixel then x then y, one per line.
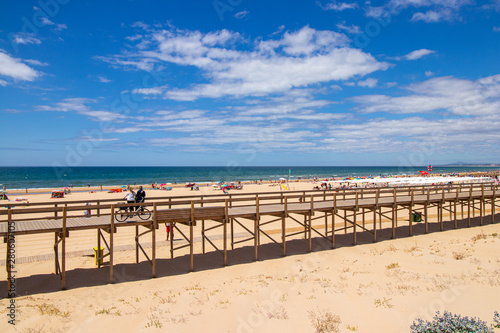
pixel 124 213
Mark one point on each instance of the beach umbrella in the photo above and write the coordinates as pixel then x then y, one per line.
pixel 163 184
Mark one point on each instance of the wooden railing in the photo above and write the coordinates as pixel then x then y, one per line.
pixel 102 207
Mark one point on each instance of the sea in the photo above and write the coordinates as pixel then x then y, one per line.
pixel 52 177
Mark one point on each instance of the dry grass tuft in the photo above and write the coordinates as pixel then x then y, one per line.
pixel 392 266
pixel 324 321
pixel 51 310
pixel 278 313
pixel 459 255
pixel 109 312
pixel 383 303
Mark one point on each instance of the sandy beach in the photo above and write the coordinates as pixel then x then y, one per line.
pixel 371 287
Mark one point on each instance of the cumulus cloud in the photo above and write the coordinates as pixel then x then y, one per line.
pixel 15 68
pixel 241 14
pixel 352 29
pixel 338 6
pixel 457 96
pixel 438 10
pixel 25 38
pixel 58 27
pixel 103 79
pixel 80 105
pixel 417 54
pixel 369 83
pixel 296 60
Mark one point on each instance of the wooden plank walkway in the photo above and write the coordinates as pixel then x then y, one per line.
pixel 247 212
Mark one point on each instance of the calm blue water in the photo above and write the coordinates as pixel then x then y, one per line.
pixel 48 177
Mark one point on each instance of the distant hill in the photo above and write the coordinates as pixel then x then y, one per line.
pixel 471 164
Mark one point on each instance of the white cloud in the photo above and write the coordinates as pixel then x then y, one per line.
pixel 415 134
pixel 433 16
pixel 456 96
pixel 26 38
pixel 3 83
pixel 241 14
pixel 35 62
pixel 77 104
pixel 439 10
pixel 15 69
pixel 338 6
pixel 58 27
pixel 429 73
pixel 352 29
pixel 103 79
pixel 369 83
pixel 496 29
pixel 296 60
pixel 417 54
pixel 149 91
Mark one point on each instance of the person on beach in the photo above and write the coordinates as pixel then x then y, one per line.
pixel 140 197
pixel 168 230
pixel 130 196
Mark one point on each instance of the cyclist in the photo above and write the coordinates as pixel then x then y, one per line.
pixel 130 196
pixel 140 196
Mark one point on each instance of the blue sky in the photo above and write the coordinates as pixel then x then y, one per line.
pixel 238 82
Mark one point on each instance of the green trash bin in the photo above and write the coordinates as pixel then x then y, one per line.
pixel 98 254
pixel 416 217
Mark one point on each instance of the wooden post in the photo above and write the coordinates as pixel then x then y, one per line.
pixel 455 211
pixel 426 223
pixel 136 244
pixel 375 218
pixel 226 221
pixel 203 231
pixel 345 221
pixel 283 225
pixel 363 216
pixel 256 228
pixel 354 213
pixel 56 252
pixel 396 204
pixel 111 231
pixel 232 227
pixel 493 205
pixel 394 215
pixel 98 247
pixel 375 224
pixel 309 225
pixel 55 211
pixel 326 217
pixel 8 262
pixel 98 208
pixel 63 248
pixel 410 231
pixel 191 239
pixel 153 241
pixel 171 238
pixel 468 212
pixel 481 205
pixel 440 216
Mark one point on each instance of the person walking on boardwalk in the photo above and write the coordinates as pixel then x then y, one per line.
pixel 130 196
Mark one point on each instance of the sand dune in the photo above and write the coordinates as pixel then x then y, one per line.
pixel 371 287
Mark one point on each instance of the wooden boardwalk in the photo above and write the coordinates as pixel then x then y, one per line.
pixel 247 211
